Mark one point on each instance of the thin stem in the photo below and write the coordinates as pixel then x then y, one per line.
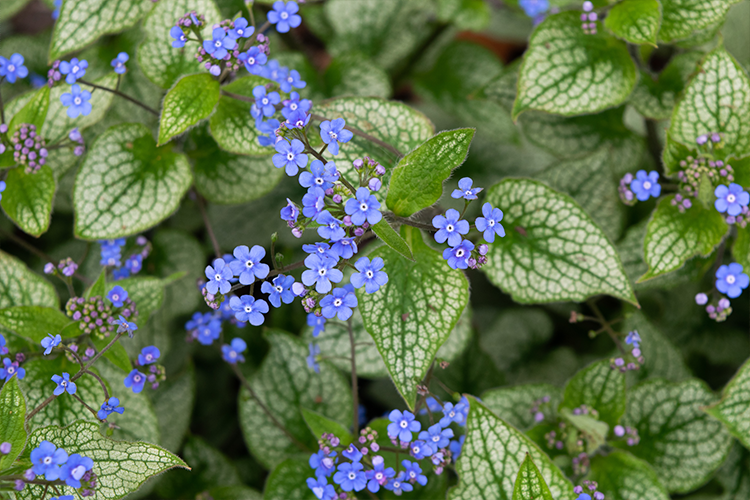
pixel 101 382
pixel 606 325
pixel 202 207
pixel 120 94
pixel 93 411
pixel 355 389
pixel 31 248
pixel 408 222
pixel 363 135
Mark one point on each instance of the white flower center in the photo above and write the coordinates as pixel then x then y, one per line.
pixel 490 222
pixel 415 450
pixel 337 303
pixel 321 250
pixel 251 60
pixel 232 354
pixel 77 101
pixel 264 101
pixel 11 369
pixel 183 38
pixel 217 277
pixel 333 135
pixel 436 438
pixel 396 485
pixel 47 460
pixel 64 383
pixel 322 272
pixel 217 43
pixel 412 474
pixel 352 476
pixel 459 253
pixel 293 106
pixel 378 476
pixel 279 288
pixel 449 228
pixel 452 414
pixel 115 298
pixel 404 424
pixel 137 379
pixel 290 156
pixel 318 180
pixel 369 274
pixel 731 198
pixel 75 69
pixel 284 15
pixel 149 357
pixel 731 279
pixel 240 31
pixel 248 309
pixel 11 68
pixel 647 185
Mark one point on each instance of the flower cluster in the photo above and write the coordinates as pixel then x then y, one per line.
pixel 55 464
pixel 67 267
pixel 730 281
pixel 148 357
pixel 588 491
pixel 97 317
pixel 565 436
pixel 629 434
pixel 535 9
pixel 537 407
pixel 588 18
pixel 632 360
pixel 13 68
pixel 111 255
pixel 29 148
pixel 641 187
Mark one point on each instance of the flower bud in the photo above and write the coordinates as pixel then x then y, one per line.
pixel 375 184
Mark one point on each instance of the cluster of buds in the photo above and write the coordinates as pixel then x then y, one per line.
pixel 718 312
pixel 76 138
pixel 54 75
pixel 67 267
pixel 88 484
pixel 630 434
pixel 96 317
pixel 370 172
pixel 588 491
pixel 588 19
pixel 681 202
pixel 29 148
pixel 74 348
pixel 367 438
pixel 156 375
pixel 537 407
pixel 626 194
pixel 555 439
pixel 479 256
pixel 212 301
pixel 581 464
pixel 632 360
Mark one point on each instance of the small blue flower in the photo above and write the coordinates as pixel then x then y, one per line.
pixel 117 296
pixel 77 101
pixel 247 309
pixel 134 263
pixel 350 476
pixel 455 447
pixel 313 202
pixel 284 16
pixel 465 190
pixel 218 277
pixel 321 489
pixel 208 332
pixel 322 249
pixel 413 472
pixel 317 322
pixel 450 227
pixel 363 207
pixel 320 271
pixel 402 425
pixel 730 280
pixel 112 405
pixel 123 325
pixel 421 449
pixel 266 102
pixel 57 4
pixel 47 459
pixel 119 63
pixel 345 248
pixel 352 453
pixel 49 342
pixel 179 37
pixel 292 80
pixel 135 380
pixel 2 188
pixel 452 414
pixel 399 484
pixel 3 349
pixel 197 320
pixel 73 470
pixel 220 44
pixel 75 69
pixel 232 353
pixel 330 227
pixel 11 368
pixel 490 223
pixel 339 304
pixel 63 384
pixel 13 68
pixel 645 185
pixel 294 103
pixel 731 199
pixel 584 496
pixel 290 156
pixel 274 71
pixel 248 265
pixel 269 128
pixel 322 176
pixel 378 476
pixel 370 274
pixel 437 436
pixel 333 132
pixel 148 355
pixel 253 60
pixel 280 291
pixel 312 360
pixel 534 8
pixel 298 119
pixel 633 339
pixel 323 464
pixel 241 30
pixel 458 256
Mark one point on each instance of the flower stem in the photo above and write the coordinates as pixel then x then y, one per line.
pixel 207 222
pixel 120 94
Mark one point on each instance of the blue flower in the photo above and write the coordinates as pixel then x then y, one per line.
pixel 399 484
pixel 13 68
pixel 320 271
pixel 47 459
pixel 645 185
pixel 11 368
pixel 413 472
pixel 378 476
pixel 370 275
pixel 584 496
pixel 322 249
pixel 313 202
pixel 57 4
pixel 490 223
pixel 207 333
pixel 110 252
pixel 75 69
pixel 633 339
pixel 3 349
pixel 345 248
pixel 73 470
pixel 455 447
pixel 352 453
pixel 269 128
pixel 437 436
pixel 452 414
pixel 148 355
pixel 421 449
pixel 290 156
pixel 119 62
pixel 134 263
pixel 292 79
pixel 298 119
pixel 2 188
pixel 321 489
pixel 339 304
pixel 49 342
pixel 248 265
pixel 284 16
pixel 274 71
pixel 247 309
pixel 450 227
pixel 123 325
pixel 402 425
pixel 534 8
pixel 77 101
pixel 253 60
pixel 265 102
pixel 280 290
pixel 63 384
pixel 218 277
pixel 232 353
pixel 317 322
pixel 220 44
pixel 294 103
pixel 333 133
pixel 135 380
pixel 241 29
pixel 312 361
pixel 322 176
pixel 112 405
pixel 179 37
pixel 458 256
pixel 731 199
pixel 330 227
pixel 730 280
pixel 350 476
pixel 117 296
pixel 197 320
pixel 363 207
pixel 465 190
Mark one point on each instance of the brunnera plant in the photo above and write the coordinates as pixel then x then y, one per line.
pixel 258 272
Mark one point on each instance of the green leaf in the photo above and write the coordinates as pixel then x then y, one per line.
pixel 568 72
pixel 741 247
pixel 285 384
pixel 28 199
pixel 734 408
pixel 287 481
pixel 191 100
pixel 515 335
pixel 411 316
pixel 83 21
pixel 673 237
pixel 664 360
pixel 595 430
pixel 552 250
pixel 682 18
pixel 147 292
pixel 734 475
pixel 513 404
pixel 160 62
pixel 655 95
pixel 417 180
pixel 21 287
pixel 635 21
pixel 674 152
pixel 126 184
pixel 681 442
pixel 600 387
pixel 471 15
pixel 12 421
pixel 530 484
pixel 34 112
pixel 320 424
pixel 33 322
pixel 173 405
pixel 355 74
pixel 491 456
pixel 709 107
pixel 116 354
pixel 620 475
pixel 390 237
pixel 10 8
pixel 120 467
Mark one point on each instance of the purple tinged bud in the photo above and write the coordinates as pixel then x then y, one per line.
pixel 297 233
pixel 588 6
pixel 701 139
pixel 619 431
pixel 710 309
pixel 4 129
pixel 538 416
pixel 584 17
pixel 628 178
pixel 375 447
pixel 359 231
pixel 578 490
pixel 337 198
pixel 619 362
pixel 380 170
pixel 598 495
pixel 5 448
pixel 347 220
pixel 483 249
pixel 329 192
pixel 715 137
pixel 298 289
pixel 724 303
pixel 701 299
pixel 49 268
pixel 357 163
pixel 375 184
pixel 687 203
pixel 19 485
pixel 593 16
pixel 636 352
pixel 29 475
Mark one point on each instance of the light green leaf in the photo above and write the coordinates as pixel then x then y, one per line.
pixel 673 237
pixel 552 250
pixel 320 424
pixel 600 387
pixel 682 18
pixel 285 384
pixel 620 475
pixel 568 72
pixel 390 237
pixel 21 287
pixel 417 180
pixel 734 408
pixel 33 112
pixel 120 466
pixel 126 184
pixel 655 95
pixel 717 99
pixel 83 21
pixel 664 360
pixel 33 322
pixel 287 481
pixel 683 444
pixel 173 405
pixel 513 404
pixel 673 153
pixel 28 199
pixel 192 99
pixel 12 421
pixel 160 62
pixel 594 430
pixel 530 484
pixel 635 21
pixel 411 316
pixel 492 455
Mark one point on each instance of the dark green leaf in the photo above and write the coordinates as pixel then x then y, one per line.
pixel 390 237
pixel 734 408
pixel 598 386
pixel 320 424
